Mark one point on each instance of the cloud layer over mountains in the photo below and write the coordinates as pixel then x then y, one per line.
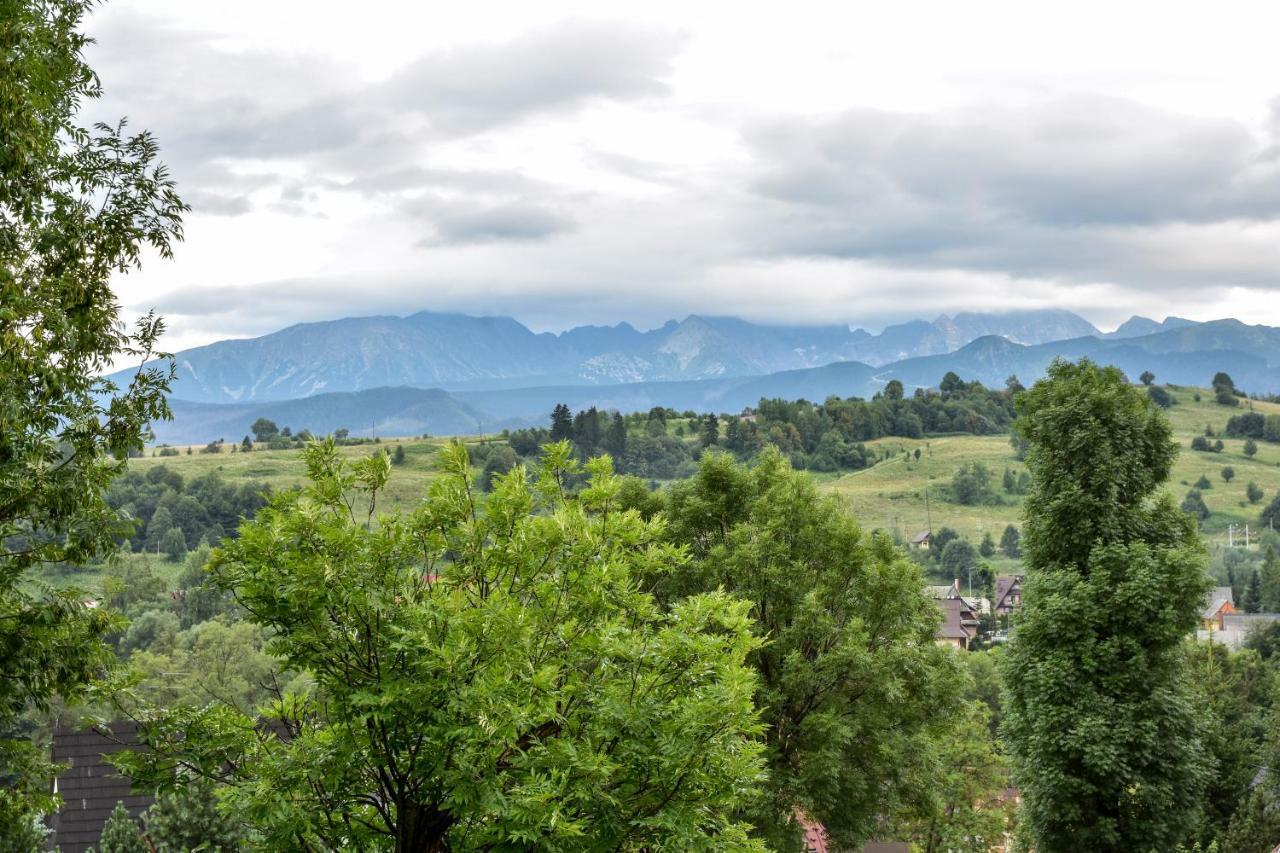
pixel 572 168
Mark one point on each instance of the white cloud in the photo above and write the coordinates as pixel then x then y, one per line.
pixel 571 163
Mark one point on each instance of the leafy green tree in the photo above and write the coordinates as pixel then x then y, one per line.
pixel 893 390
pixel 188 819
pixel 488 673
pixel 959 558
pixel 246 445
pixel 1147 377
pixel 1160 397
pixel 852 686
pixel 398 458
pixel 1250 448
pixel 1224 390
pixel 77 207
pixel 1228 473
pixel 967 814
pixel 1010 481
pixel 161 523
pixel 1204 483
pixel 264 430
pixel 1253 492
pixel 971 484
pixel 938 542
pixel 1201 444
pixel 121 833
pixel 1011 542
pixel 1100 725
pixel 174 544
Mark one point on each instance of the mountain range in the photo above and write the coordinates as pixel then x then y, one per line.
pixel 449 374
pixel 461 352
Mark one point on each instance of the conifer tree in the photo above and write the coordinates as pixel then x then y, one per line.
pixel 1100 724
pixel 121 833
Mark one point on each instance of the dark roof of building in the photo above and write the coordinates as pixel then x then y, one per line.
pixel 90 787
pixel 920 538
pixel 1004 586
pixel 952 627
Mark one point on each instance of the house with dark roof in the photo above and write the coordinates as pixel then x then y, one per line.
pixel 922 539
pixel 959 623
pixel 1008 595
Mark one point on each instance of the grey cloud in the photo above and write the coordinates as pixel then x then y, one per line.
pixel 474 88
pixel 1086 188
pixel 460 222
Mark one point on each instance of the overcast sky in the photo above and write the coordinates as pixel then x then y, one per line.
pixel 572 163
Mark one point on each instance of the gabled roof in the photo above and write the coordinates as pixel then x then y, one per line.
pixel 1218 597
pixel 1006 585
pixel 952 627
pixel 921 537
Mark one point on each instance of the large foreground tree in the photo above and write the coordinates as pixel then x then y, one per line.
pixel 487 674
pixel 76 207
pixel 853 689
pixel 1100 724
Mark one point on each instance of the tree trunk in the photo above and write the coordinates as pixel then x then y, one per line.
pixel 421 829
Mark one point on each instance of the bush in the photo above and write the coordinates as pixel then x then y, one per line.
pixel 1201 444
pixel 1228 473
pixel 1253 492
pixel 1194 504
pixel 971 484
pixel 1160 397
pixel 1250 448
pixel 1203 483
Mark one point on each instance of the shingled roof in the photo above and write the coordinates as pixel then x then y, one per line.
pixel 91 787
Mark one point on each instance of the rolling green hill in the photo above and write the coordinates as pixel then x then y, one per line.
pixel 891 494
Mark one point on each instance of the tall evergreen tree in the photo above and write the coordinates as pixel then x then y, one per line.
pixel 1101 728
pixel 1011 542
pixel 710 430
pixel 615 439
pixel 561 423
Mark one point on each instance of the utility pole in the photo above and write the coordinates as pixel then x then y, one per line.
pixel 928 515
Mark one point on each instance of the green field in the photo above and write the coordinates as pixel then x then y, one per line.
pixel 891 494
pixel 282 469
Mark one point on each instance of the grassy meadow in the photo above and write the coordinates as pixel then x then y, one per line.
pixel 891 494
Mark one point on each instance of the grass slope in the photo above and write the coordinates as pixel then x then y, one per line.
pixel 891 494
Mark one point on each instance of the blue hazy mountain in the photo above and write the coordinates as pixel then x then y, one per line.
pixel 463 352
pixel 1185 355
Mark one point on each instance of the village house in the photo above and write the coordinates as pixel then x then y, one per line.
pixel 1008 595
pixel 922 539
pixel 1220 603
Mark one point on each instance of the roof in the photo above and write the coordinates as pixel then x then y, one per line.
pixel 920 538
pixel 91 787
pixel 1006 585
pixel 952 627
pixel 1218 597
